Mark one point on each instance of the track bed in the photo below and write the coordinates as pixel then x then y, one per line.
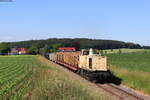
pixel 120 92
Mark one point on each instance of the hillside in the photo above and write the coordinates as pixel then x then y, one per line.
pixel 78 43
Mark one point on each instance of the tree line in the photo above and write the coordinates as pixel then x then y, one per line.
pixel 51 45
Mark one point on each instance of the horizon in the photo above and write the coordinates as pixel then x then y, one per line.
pixel 126 21
pixel 71 38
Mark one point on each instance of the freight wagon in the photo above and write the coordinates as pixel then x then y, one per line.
pixel 85 63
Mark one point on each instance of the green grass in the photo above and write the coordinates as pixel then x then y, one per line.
pixel 132 61
pixel 124 50
pixel 14 72
pixel 51 83
pixel 132 68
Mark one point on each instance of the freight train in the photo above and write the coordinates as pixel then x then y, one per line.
pixel 91 66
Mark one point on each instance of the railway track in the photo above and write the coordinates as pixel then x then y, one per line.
pixel 121 93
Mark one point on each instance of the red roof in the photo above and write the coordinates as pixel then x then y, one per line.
pixel 21 49
pixel 67 49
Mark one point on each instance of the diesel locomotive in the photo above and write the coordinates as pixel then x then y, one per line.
pixel 91 66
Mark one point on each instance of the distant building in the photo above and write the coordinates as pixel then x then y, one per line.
pixel 22 51
pixel 18 51
pixel 14 51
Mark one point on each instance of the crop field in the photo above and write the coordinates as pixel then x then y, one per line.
pixel 132 68
pixel 15 74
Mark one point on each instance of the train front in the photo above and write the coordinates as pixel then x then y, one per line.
pixel 94 66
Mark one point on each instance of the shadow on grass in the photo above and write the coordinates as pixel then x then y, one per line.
pixel 115 80
pixel 112 79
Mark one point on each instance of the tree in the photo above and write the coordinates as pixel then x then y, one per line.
pixel 41 51
pixel 55 47
pixel 119 51
pixel 46 48
pixel 79 43
pixel 4 48
pixel 75 44
pixel 33 50
pixel 111 50
pixel 101 52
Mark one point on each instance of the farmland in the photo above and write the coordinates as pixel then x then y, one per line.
pixel 15 74
pixel 133 68
pixel 35 78
pixel 124 50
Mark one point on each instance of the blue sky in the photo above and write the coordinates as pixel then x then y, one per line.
pixel 125 20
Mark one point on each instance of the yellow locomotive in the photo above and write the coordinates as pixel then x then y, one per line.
pixel 84 62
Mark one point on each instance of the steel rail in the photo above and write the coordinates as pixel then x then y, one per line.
pixel 120 97
pixel 112 93
pixel 135 96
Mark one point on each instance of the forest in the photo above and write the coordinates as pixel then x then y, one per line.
pixel 51 44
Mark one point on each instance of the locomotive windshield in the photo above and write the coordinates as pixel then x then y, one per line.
pixel 85 52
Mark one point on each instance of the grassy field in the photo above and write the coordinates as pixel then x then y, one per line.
pixel 52 83
pixel 132 68
pixel 15 75
pixel 34 78
pixel 124 50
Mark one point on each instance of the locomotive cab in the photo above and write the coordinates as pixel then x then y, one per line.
pixel 93 65
pixel 92 62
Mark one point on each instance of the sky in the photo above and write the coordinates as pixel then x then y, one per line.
pixel 123 20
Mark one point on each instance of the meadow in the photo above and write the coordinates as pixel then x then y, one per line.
pixel 35 78
pixel 133 68
pixel 55 83
pixel 124 50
